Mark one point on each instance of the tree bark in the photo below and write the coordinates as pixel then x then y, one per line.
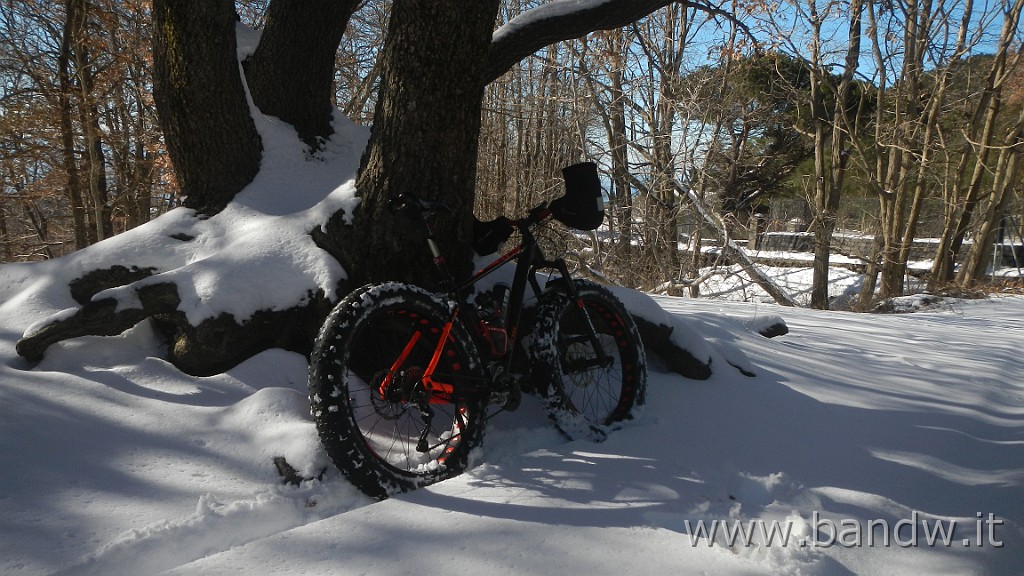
pixel 5 240
pixel 424 141
pixel 197 87
pixel 291 74
pixel 909 119
pixel 615 121
pixel 876 174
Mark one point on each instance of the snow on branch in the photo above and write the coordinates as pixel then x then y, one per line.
pixel 567 19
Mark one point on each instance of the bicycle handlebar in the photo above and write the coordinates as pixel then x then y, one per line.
pixel 538 214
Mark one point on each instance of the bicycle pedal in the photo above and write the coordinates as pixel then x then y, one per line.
pixel 508 394
pixel 498 398
pixel 509 400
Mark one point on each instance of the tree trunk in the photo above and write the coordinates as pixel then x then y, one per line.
pixel 974 189
pixel 980 253
pixel 944 260
pixel 829 179
pixel 873 269
pixel 291 74
pixel 75 20
pixel 619 143
pixel 671 49
pixel 907 120
pixel 424 141
pixel 5 240
pixel 982 132
pixel 99 195
pixel 95 157
pixel 1005 177
pixel 197 87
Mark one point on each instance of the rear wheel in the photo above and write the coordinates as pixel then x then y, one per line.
pixel 385 427
pixel 586 398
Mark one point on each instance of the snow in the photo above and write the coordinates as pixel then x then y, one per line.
pixel 553 9
pixel 114 462
pixel 263 234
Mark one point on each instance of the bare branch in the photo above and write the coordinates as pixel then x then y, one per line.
pixel 556 21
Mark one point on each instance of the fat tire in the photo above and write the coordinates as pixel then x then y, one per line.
pixel 588 403
pixel 372 439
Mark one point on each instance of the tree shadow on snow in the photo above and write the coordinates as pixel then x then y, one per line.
pixel 761 448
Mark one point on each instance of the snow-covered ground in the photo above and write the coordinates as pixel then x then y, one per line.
pixel 113 462
pixel 864 444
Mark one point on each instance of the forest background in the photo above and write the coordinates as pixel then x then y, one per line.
pixel 889 120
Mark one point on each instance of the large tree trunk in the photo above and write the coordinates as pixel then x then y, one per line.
pixel 424 140
pixel 291 73
pixel 210 134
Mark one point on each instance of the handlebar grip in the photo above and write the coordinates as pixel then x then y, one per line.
pixel 539 213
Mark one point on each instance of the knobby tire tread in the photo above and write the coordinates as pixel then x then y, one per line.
pixel 588 403
pixel 361 339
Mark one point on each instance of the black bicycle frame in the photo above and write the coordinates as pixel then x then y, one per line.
pixel 528 258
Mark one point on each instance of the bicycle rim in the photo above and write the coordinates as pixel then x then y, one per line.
pixel 369 397
pixel 384 410
pixel 601 394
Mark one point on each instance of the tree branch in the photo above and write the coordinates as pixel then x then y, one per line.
pixel 559 20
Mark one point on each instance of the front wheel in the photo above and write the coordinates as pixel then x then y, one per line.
pixel 384 425
pixel 585 397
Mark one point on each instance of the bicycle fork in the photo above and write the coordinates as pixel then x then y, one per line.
pixel 601 358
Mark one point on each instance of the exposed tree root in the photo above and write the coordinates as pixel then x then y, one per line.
pixel 658 339
pixel 213 346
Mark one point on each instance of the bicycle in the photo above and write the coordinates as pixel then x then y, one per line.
pixel 401 379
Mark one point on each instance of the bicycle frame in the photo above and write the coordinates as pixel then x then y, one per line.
pixel 528 260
